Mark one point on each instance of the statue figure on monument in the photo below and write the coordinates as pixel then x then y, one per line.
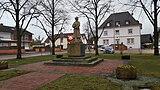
pixel 76 33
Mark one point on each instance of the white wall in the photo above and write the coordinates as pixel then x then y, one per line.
pixel 57 42
pixel 65 42
pixel 122 36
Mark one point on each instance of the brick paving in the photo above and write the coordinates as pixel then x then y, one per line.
pixel 46 73
pixel 28 81
pixel 107 66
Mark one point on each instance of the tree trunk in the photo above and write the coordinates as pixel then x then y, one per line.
pixel 156 31
pixel 96 25
pixel 19 56
pixel 96 46
pixel 53 46
pixel 53 39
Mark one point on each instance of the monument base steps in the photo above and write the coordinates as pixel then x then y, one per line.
pixel 75 61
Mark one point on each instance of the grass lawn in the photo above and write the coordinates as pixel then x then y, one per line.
pixel 109 56
pixel 11 73
pixel 15 62
pixel 80 82
pixel 146 64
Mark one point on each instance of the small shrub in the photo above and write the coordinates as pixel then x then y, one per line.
pixel 125 57
pixel 3 65
pixel 59 56
pixel 126 72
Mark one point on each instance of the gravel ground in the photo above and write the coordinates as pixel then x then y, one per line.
pixel 129 84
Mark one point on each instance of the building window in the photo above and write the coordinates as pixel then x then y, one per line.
pixel 130 41
pixel 106 42
pixel 116 32
pixel 117 23
pixel 13 44
pixel 127 22
pixel 130 31
pixel 26 37
pixel 4 45
pixel 108 24
pixel 5 36
pixel 105 33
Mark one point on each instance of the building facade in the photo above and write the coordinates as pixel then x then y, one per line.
pixel 121 28
pixel 62 40
pixel 8 40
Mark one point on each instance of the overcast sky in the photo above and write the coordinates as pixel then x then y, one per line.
pixel 147 28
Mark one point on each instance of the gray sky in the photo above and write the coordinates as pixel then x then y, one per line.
pixel 147 28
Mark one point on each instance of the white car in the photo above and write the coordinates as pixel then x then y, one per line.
pixel 107 49
pixel 103 47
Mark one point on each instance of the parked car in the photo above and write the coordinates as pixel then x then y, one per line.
pixel 107 49
pixel 102 48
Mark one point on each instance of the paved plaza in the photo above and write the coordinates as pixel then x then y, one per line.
pixel 46 73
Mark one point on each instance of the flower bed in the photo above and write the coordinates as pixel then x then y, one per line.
pixel 126 72
pixel 3 65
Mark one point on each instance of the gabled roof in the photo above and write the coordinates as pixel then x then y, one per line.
pixel 11 29
pixel 122 18
pixel 6 28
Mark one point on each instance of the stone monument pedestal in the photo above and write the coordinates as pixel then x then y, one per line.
pixel 75 52
pixel 75 57
pixel 76 49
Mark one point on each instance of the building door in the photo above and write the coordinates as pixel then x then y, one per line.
pixel 117 41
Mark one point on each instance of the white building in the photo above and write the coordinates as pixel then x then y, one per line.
pixel 121 28
pixel 62 40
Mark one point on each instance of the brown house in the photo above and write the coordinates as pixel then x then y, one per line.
pixel 8 40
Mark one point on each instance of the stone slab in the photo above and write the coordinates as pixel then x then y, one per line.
pixel 76 49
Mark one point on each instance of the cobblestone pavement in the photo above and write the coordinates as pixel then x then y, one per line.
pixel 47 73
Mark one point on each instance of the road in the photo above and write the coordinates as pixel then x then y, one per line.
pixel 30 54
pixel 27 54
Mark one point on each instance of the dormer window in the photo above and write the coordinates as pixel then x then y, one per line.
pixel 130 31
pixel 108 24
pixel 117 23
pixel 127 22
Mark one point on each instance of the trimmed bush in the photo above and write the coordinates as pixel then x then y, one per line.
pixel 125 57
pixel 3 65
pixel 126 72
pixel 59 56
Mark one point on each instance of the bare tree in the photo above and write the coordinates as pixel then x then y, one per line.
pixel 88 34
pixel 94 11
pixel 39 39
pixel 22 12
pixel 151 8
pixel 52 15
